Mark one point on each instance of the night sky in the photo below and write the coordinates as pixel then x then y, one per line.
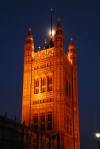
pixel 81 21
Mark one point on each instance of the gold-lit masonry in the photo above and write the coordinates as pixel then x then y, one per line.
pixel 50 91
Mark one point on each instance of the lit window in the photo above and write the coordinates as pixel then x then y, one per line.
pixel 37 91
pixel 50 88
pixel 37 83
pixel 43 84
pixel 50 80
pixel 36 86
pixel 43 89
pixel 50 83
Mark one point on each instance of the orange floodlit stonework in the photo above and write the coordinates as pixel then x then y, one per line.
pixel 50 92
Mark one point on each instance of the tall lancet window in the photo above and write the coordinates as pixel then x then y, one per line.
pixel 36 86
pixel 50 83
pixel 43 84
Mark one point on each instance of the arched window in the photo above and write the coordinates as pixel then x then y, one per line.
pixel 36 86
pixel 50 83
pixel 43 84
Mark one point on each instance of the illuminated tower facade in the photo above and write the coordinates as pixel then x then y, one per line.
pixel 50 94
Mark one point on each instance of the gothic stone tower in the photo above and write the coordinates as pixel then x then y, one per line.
pixel 50 94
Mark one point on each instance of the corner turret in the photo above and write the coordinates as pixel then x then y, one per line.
pixel 29 44
pixel 72 53
pixel 59 36
pixel 27 83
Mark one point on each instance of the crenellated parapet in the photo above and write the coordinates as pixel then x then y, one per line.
pixel 42 54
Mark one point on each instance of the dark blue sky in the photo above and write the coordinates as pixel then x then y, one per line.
pixel 80 20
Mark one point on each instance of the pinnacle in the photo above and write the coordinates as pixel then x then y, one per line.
pixel 71 40
pixel 58 19
pixel 29 30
